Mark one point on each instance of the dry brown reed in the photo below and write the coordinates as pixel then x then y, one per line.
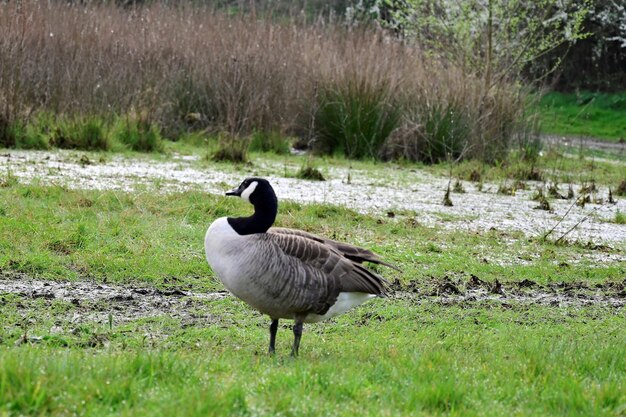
pixel 191 68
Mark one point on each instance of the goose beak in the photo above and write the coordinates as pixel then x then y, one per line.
pixel 235 191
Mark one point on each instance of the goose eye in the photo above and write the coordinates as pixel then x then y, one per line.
pixel 249 189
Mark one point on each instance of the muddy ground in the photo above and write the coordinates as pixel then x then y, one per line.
pixel 98 303
pixel 386 190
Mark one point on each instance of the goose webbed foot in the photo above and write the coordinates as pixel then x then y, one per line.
pixel 297 335
pixel 273 331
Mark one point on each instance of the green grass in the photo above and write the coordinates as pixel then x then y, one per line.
pixel 355 118
pixel 394 356
pixel 412 359
pixel 55 233
pixel 597 115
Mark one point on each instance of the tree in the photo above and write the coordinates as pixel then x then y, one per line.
pixel 493 39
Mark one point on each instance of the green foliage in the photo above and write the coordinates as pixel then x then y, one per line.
pixel 434 355
pixel 354 117
pixel 231 148
pixel 273 141
pixel 493 39
pixel 138 134
pixel 7 132
pixel 599 115
pixel 431 359
pixel 13 135
pixel 445 132
pixel 620 218
pixel 47 130
pixel 87 133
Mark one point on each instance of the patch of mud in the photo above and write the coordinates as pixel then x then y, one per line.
pixel 93 302
pixel 99 303
pixel 564 294
pixel 386 189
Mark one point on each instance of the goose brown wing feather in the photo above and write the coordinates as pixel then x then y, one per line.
pixel 322 272
pixel 354 253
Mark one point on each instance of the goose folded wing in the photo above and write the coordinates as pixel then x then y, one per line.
pixel 325 265
pixel 354 253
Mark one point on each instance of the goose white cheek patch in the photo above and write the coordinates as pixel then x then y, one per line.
pixel 249 190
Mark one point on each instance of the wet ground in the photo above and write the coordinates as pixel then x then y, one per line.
pixel 98 303
pixel 387 190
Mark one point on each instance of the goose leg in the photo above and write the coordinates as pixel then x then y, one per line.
pixel 273 330
pixel 297 334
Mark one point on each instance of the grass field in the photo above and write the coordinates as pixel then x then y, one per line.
pixel 550 343
pixel 596 115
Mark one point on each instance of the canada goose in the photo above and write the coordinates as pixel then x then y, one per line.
pixel 287 273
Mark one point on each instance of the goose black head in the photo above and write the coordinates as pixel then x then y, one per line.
pixel 254 190
pixel 261 195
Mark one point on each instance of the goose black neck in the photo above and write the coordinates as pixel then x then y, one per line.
pixel 263 218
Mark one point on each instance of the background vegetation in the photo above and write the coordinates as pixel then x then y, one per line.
pixel 177 69
pixel 598 115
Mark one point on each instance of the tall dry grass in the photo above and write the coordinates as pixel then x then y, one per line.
pixel 189 68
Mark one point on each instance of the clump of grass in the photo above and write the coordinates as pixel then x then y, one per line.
pixel 506 189
pixel 36 133
pixel 447 201
pixel 621 189
pixel 554 192
pixel 589 188
pixel 354 117
pixel 610 198
pixel 137 133
pixel 475 176
pixel 541 198
pixel 45 130
pixel 308 171
pixel 231 149
pixel 269 142
pixel 544 204
pixel 88 133
pixel 9 131
pixel 529 174
pixel 583 200
pixel 444 129
pixel 620 218
pixel 519 185
pixel 458 187
pixel 8 180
